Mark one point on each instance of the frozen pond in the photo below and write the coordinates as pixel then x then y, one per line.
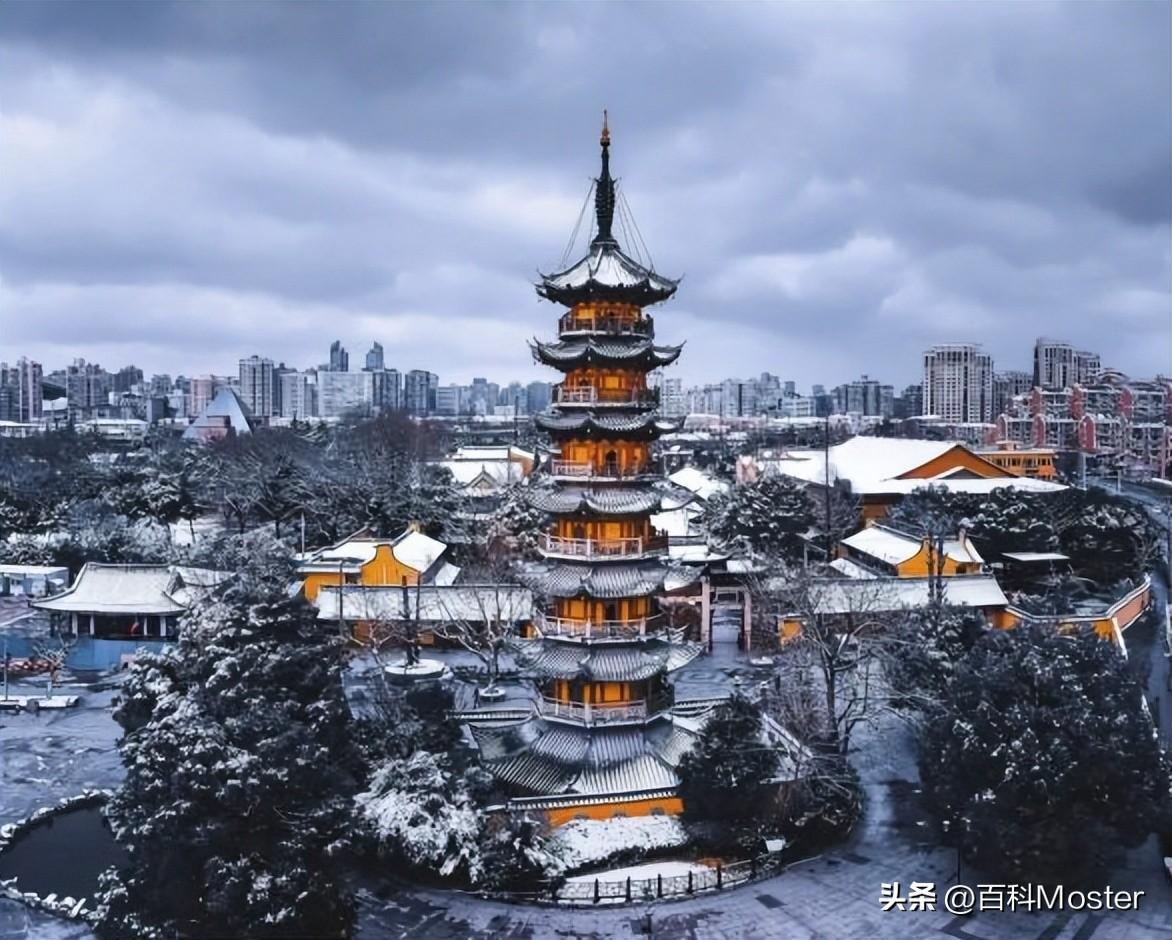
pixel 63 855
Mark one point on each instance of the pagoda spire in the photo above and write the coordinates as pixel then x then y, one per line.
pixel 604 199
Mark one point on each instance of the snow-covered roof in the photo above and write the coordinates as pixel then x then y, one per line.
pixel 879 595
pixel 132 589
pixel 894 547
pixel 417 550
pixel 434 603
pixel 851 569
pixel 873 465
pixel 411 548
pixel 699 482
pixel 34 571
pixel 1028 557
pixel 606 272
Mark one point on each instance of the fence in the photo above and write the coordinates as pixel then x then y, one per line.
pixel 660 886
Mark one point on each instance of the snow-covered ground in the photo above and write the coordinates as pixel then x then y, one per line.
pixel 642 872
pixel 48 756
pixel 584 841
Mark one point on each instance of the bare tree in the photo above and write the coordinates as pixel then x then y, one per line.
pixel 842 634
pixel 483 615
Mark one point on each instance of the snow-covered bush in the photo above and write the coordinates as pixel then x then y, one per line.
pixel 517 853
pixel 424 815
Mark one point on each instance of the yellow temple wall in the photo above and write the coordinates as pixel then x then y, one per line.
pixel 382 570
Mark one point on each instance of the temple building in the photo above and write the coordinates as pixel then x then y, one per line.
pixel 603 740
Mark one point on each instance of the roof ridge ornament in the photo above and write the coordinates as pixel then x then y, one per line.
pixel 604 196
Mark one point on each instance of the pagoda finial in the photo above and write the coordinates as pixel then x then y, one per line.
pixel 604 191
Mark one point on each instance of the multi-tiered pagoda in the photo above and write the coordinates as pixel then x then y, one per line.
pixel 603 739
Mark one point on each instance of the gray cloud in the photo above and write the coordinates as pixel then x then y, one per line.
pixel 841 184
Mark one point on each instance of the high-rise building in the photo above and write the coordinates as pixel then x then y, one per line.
pixel 374 358
pixel 339 358
pixel 910 403
pixel 866 396
pixel 201 391
pixel 344 394
pixel 419 391
pixel 958 383
pixel 126 378
pixel 538 396
pixel 672 402
pixel 256 386
pixel 449 400
pixel 22 391
pixel 1059 365
pixel 1007 386
pixel 386 390
pixel 298 395
pixel 87 388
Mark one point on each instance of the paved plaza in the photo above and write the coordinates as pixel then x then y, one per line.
pixel 51 755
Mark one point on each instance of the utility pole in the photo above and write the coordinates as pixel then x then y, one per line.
pixel 826 483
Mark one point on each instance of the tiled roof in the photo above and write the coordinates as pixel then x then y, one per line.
pixel 633 499
pixel 133 589
pixel 545 758
pixel 605 580
pixel 629 661
pixel 608 423
pixel 606 273
pixel 604 352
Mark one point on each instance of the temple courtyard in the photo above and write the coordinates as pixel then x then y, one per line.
pixel 51 755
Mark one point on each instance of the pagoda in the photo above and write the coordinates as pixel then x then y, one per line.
pixel 602 740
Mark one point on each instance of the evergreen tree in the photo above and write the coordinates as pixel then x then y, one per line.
pixel 926 647
pixel 1041 754
pixel 235 805
pixel 766 518
pixel 727 770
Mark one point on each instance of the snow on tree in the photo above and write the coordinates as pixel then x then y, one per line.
pixel 766 518
pixel 726 772
pixel 1041 755
pixel 518 853
pixel 926 646
pixel 516 523
pixel 235 806
pixel 422 814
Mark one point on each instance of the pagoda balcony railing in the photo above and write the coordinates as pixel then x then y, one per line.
pixel 601 398
pixel 581 470
pixel 576 628
pixel 616 326
pixel 593 713
pixel 602 548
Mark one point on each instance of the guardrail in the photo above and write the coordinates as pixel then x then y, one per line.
pixel 593 713
pixel 660 886
pixel 601 548
pixel 550 625
pixel 601 397
pixel 618 326
pixel 585 470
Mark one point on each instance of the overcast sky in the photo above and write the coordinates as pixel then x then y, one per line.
pixel 840 185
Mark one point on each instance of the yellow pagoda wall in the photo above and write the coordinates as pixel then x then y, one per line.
pixel 667 805
pixel 570 528
pixel 601 315
pixel 581 608
pixel 628 455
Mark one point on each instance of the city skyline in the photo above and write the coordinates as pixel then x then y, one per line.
pixel 969 197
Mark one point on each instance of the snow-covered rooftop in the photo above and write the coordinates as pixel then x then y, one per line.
pixel 874 464
pixel 893 547
pixel 699 482
pixel 878 595
pixel 132 589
